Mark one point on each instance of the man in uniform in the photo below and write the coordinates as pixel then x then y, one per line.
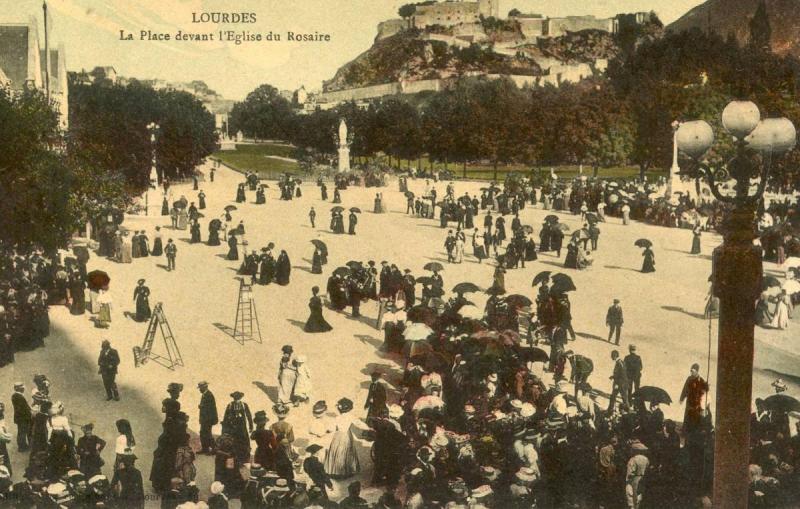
pixel 107 363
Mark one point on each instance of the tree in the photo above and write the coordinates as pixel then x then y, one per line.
pixel 264 114
pixel 406 11
pixel 760 30
pixel 186 136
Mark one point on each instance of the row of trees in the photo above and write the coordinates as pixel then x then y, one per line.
pixel 622 118
pixel 52 183
pixel 109 128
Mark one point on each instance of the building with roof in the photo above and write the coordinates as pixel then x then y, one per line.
pixel 23 65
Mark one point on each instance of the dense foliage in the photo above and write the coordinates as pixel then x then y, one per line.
pixel 108 130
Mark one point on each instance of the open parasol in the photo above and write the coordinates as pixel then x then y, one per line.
pixel 643 243
pixel 579 235
pixel 518 301
pixel 552 218
pixel 562 283
pixel 416 331
pixel 98 279
pixel 653 395
pixel 230 208
pixel 320 245
pixel 199 215
pixel 355 209
pixel 337 208
pixel 215 224
pixel 791 286
pixel 434 266
pixel 770 282
pixel 465 287
pixel 342 271
pixel 592 218
pixel 354 265
pixel 782 403
pixel 541 277
pixel 533 354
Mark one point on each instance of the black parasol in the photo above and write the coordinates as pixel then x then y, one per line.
pixel 643 243
pixel 541 277
pixel 433 266
pixel 98 279
pixel 653 395
pixel 465 287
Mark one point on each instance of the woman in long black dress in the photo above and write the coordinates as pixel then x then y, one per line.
pixel 267 272
pixel 195 230
pixel 165 207
pixel 571 260
pixel 316 262
pixel 649 262
pixel 316 322
pixel 213 235
pixel 201 200
pixel 283 269
pixel 141 295
pixel 696 240
pixel 233 248
pixel 77 291
pixel 337 197
pixel 240 196
pixel 530 250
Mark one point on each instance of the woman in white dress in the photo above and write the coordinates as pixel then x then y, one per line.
pixel 287 375
pixel 302 383
pixel 783 311
pixel 104 300
pixel 341 460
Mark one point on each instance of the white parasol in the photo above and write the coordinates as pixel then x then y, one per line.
pixel 417 331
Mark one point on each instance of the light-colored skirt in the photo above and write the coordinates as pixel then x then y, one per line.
pixel 341 461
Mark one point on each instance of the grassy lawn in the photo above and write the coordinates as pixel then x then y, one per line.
pixel 254 158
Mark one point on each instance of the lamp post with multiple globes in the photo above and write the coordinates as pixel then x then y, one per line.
pixel 737 272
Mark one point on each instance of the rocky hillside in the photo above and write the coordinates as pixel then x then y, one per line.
pixel 407 56
pixel 733 17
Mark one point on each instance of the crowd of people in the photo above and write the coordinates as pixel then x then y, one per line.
pixel 493 407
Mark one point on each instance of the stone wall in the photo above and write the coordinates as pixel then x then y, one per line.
pixel 445 14
pixel 359 94
pixel 555 27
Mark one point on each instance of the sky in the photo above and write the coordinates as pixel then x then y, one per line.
pixel 90 32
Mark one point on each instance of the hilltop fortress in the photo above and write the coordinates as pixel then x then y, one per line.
pixel 434 43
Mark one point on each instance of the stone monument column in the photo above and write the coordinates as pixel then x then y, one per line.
pixel 344 149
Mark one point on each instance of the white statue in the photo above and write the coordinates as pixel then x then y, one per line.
pixel 344 150
pixel 342 133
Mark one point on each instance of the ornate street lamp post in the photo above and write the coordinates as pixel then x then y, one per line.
pixel 737 275
pixel 153 183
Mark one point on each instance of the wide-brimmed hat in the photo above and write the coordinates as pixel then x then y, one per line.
pixel 527 410
pixel 320 407
pixel 202 384
pixel 526 474
pixel 140 282
pixel 287 349
pixel 300 359
pixel 344 405
pixel 489 473
pixel 217 488
pixel 313 448
pixel 237 395
pixel 260 416
pixel 175 387
pixel 395 411
pixel 257 470
pixel 280 409
pixel 481 491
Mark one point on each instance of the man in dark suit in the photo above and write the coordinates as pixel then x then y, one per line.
pixel 619 382
pixel 633 366
pixel 208 418
pixel 108 362
pixel 316 470
pixel 22 416
pixel 376 398
pixel 614 320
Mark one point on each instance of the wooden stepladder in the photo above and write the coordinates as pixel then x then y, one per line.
pixel 172 357
pixel 247 327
